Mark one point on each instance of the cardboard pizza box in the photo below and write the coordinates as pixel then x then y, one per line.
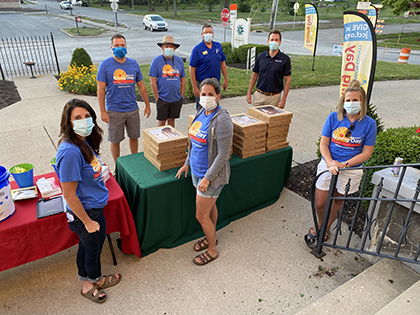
pixel 164 137
pixel 163 166
pixel 270 114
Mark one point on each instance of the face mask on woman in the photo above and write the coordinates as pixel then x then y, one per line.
pixel 208 37
pixel 208 102
pixel 83 127
pixel 168 52
pixel 352 108
pixel 273 45
pixel 119 52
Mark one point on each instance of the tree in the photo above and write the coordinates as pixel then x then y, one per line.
pixel 401 6
pixel 210 4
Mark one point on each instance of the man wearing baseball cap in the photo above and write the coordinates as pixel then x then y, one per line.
pixel 167 78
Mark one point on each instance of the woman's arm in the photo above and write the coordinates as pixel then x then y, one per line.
pixel 332 165
pixel 69 193
pixel 224 135
pixel 362 157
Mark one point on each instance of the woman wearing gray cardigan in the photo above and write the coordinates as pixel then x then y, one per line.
pixel 210 136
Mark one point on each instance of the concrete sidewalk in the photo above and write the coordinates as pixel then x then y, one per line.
pixel 264 265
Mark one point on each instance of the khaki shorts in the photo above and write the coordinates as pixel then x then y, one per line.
pixel 261 99
pixel 323 182
pixel 119 120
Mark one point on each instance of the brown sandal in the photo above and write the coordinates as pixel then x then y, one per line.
pixel 94 297
pixel 110 281
pixel 204 259
pixel 202 244
pixel 313 232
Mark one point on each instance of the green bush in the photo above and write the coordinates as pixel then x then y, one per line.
pixel 244 6
pixel 189 94
pixel 240 55
pixel 393 142
pixel 242 51
pixel 80 58
pixel 371 112
pixel 231 56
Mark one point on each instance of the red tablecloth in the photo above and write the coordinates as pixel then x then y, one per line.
pixel 24 238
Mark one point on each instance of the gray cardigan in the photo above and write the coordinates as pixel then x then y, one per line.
pixel 219 141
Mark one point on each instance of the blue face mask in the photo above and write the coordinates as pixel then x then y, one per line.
pixel 83 127
pixel 119 52
pixel 273 45
pixel 168 52
pixel 208 37
pixel 352 108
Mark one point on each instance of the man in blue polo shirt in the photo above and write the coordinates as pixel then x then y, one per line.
pixel 207 61
pixel 167 78
pixel 117 79
pixel 273 74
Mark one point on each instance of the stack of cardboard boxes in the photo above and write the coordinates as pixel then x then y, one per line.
pixel 278 121
pixel 249 135
pixel 164 147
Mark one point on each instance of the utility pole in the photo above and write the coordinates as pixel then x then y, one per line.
pixel 175 8
pixel 273 14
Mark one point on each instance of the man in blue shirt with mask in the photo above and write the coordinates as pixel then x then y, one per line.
pixel 117 79
pixel 167 78
pixel 207 61
pixel 273 74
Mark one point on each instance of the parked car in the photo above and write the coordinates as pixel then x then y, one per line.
pixel 154 22
pixel 66 5
pixel 76 2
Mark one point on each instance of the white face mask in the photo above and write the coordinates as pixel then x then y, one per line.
pixel 208 37
pixel 352 108
pixel 208 102
pixel 83 127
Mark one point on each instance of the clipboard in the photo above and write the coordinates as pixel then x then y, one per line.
pixel 47 207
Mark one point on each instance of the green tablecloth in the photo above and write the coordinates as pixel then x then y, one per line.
pixel 164 207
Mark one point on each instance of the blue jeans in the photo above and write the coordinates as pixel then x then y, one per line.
pixel 90 246
pixel 210 193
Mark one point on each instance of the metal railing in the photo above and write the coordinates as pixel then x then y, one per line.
pixel 374 236
pixel 16 53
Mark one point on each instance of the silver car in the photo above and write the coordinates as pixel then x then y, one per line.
pixel 154 22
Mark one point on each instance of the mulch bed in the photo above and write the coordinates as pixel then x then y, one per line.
pixel 8 94
pixel 300 181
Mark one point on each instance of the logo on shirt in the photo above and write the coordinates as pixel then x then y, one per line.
pixel 277 60
pixel 121 77
pixel 169 71
pixel 339 138
pixel 97 167
pixel 196 133
pixel 205 52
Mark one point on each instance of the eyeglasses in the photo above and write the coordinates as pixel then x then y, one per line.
pixel 348 133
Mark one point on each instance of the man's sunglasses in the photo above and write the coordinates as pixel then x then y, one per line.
pixel 348 133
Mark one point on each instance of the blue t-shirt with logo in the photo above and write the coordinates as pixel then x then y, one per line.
pixel 168 73
pixel 343 148
pixel 121 80
pixel 199 156
pixel 72 167
pixel 207 61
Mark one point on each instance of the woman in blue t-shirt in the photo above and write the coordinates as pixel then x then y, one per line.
pixel 210 136
pixel 347 140
pixel 79 170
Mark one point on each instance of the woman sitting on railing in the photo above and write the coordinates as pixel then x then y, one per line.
pixel 347 140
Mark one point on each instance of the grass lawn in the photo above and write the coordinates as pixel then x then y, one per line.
pixel 84 31
pixel 100 21
pixel 327 72
pixel 407 40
